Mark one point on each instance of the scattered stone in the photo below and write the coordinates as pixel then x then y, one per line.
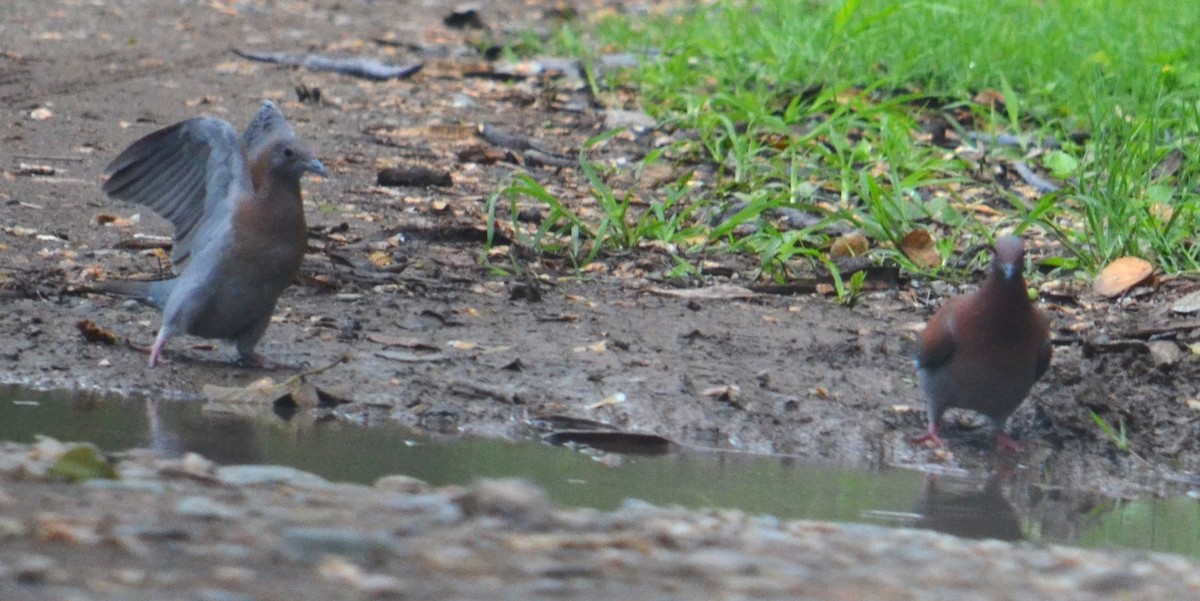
pixel 12 528
pixel 337 569
pixel 401 483
pixel 637 121
pixel 234 574
pixel 243 475
pixel 1165 353
pixel 432 507
pixel 129 577
pixel 1188 304
pixel 511 499
pixel 146 485
pixel 304 544
pixel 215 594
pixel 36 569
pixel 204 507
pixel 462 101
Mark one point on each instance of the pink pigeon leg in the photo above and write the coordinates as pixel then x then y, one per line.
pixel 1005 443
pixel 934 435
pixel 159 343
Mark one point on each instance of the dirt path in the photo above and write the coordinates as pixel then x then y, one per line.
pixel 396 270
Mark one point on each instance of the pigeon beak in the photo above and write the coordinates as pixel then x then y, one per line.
pixel 316 167
pixel 1010 271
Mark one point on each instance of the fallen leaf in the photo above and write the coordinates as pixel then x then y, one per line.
pixel 990 98
pixel 380 259
pixel 259 392
pixel 1121 275
pixel 266 391
pixel 918 246
pixel 94 333
pixel 83 463
pixel 850 244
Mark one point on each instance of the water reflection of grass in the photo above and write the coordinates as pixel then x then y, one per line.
pixel 1169 525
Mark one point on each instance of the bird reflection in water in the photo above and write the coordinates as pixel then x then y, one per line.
pixel 960 506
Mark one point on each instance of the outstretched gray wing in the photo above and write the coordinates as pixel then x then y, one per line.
pixel 191 173
pixel 268 125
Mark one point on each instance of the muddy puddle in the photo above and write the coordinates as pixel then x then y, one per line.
pixel 1006 505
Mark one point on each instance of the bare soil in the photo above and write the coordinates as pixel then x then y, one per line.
pixel 439 340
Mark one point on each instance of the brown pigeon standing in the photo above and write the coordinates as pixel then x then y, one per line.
pixel 983 351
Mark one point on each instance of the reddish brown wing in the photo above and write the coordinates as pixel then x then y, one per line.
pixel 937 341
pixel 1047 350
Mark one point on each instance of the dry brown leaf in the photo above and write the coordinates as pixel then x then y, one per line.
pixel 1121 275
pixel 259 392
pixel 851 244
pixel 380 259
pixel 266 391
pixel 918 246
pixel 94 333
pixel 989 98
pixel 1162 212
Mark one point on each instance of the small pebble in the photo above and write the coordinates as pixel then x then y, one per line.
pixel 35 569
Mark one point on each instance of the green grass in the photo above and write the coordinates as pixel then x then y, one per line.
pixel 820 107
pixel 1117 436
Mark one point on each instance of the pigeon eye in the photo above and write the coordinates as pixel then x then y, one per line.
pixel 288 152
